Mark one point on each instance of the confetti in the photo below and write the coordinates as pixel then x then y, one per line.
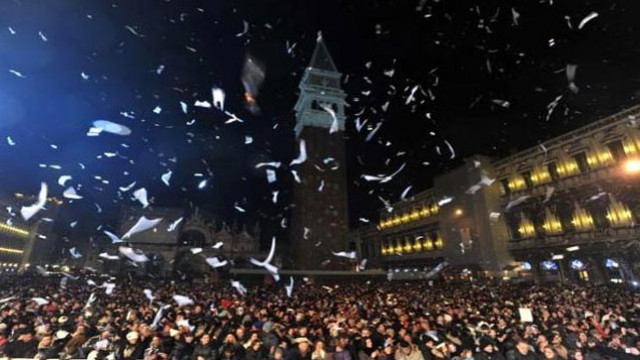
pixel 302 157
pixel 141 225
pixel 174 225
pixel 134 255
pixel 349 255
pixel 166 177
pixel 588 18
pixel 28 212
pixel 141 196
pixel 215 263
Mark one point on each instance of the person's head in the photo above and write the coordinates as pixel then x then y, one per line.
pixel 278 354
pixel 189 338
pixel 156 341
pixel 46 341
pixel 576 355
pixel 319 346
pixel 133 337
pixel 522 347
pixel 556 339
pixel 240 332
pixel 405 347
pixel 303 345
pixel 205 339
pixel 343 340
pixel 548 352
pixel 230 339
pixel 255 345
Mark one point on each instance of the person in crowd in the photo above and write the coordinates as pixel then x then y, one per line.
pixel 356 321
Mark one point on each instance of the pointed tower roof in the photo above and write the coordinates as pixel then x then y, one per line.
pixel 321 58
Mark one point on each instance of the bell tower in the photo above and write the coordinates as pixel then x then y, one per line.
pixel 319 223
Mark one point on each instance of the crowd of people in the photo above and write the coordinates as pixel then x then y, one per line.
pixel 45 318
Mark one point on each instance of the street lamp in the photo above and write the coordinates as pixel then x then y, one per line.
pixel 458 211
pixel 632 166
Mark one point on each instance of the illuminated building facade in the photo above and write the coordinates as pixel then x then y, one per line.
pixel 566 209
pixel 19 238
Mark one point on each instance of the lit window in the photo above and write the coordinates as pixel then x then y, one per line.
pixel 577 264
pixel 549 265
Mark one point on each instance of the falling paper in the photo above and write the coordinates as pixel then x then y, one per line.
pixel 182 300
pixel 149 295
pixel 70 193
pixel 40 301
pixel 132 254
pixel 28 212
pixel 214 262
pixel 174 224
pixel 239 287
pixel 203 104
pixel 166 177
pixel 142 225
pixel 74 253
pixel 128 187
pixel 114 238
pixel 571 76
pixel 403 196
pixel 111 127
pixel 218 245
pixel 271 176
pixel 588 18
pixel 289 288
pixel 303 154
pixel 218 98
pixel 141 196
pixel 334 124
pixel 516 202
pixel 106 256
pixel 62 180
pixel 349 255
pixel 196 250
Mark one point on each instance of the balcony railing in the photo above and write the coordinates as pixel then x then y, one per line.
pixel 576 238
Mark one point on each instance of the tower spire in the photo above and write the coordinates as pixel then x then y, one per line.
pixel 321 59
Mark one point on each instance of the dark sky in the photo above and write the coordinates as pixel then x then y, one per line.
pixel 484 72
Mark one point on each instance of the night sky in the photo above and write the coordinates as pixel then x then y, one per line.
pixel 481 76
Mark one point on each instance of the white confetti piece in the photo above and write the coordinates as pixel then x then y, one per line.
pixel 349 255
pixel 289 288
pixel 302 157
pixel 166 177
pixel 17 73
pixel 43 37
pixel 100 126
pixel 141 225
pixel 10 141
pixel 28 212
pixel 62 180
pixel 70 193
pixel 215 263
pixel 128 187
pixel 134 255
pixel 182 300
pixel 203 104
pixel 588 18
pixel 141 196
pixel 271 176
pixel 218 98
pixel 174 225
